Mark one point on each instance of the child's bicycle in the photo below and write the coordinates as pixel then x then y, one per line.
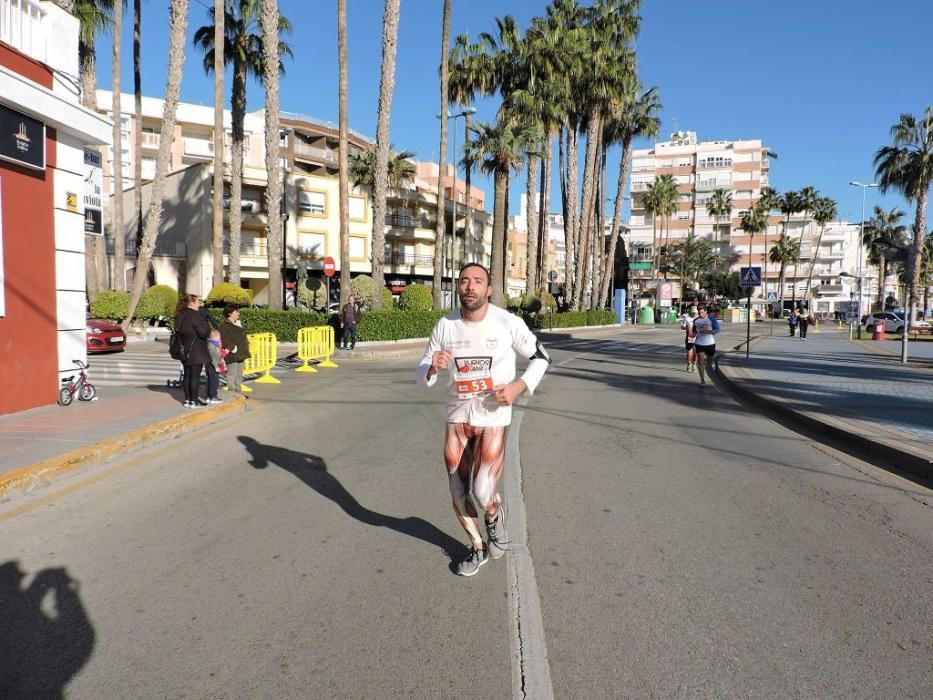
pixel 80 386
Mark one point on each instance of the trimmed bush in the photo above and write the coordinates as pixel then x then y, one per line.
pixel 416 297
pixel 570 319
pixel 229 293
pixel 312 299
pixel 284 324
pixel 397 325
pixel 363 289
pixel 151 305
pixel 389 302
pixel 168 296
pixel 111 305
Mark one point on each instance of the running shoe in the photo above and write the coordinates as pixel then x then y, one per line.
pixel 215 400
pixel 470 565
pixel 498 539
pixel 189 404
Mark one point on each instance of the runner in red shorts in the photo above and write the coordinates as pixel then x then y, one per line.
pixel 478 345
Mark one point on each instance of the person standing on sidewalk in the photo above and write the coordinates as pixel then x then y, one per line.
pixel 193 330
pixel 804 322
pixel 792 322
pixel 233 338
pixel 478 344
pixel 706 328
pixel 350 317
pixel 686 324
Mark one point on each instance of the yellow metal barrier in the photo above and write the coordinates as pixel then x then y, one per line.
pixel 315 343
pixel 263 350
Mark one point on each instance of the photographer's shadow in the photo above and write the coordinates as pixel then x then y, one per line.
pixel 312 470
pixel 46 636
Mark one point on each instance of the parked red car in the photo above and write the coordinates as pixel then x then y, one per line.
pixel 104 336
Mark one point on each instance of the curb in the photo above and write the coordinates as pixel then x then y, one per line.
pixel 29 477
pixel 884 453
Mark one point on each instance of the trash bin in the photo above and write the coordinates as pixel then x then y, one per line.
pixel 877 332
pixel 646 315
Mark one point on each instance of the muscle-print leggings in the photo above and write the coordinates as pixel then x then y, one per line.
pixel 474 457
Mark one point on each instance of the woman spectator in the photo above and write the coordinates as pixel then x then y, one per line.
pixel 233 338
pixel 194 332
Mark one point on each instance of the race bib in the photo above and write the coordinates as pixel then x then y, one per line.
pixel 472 376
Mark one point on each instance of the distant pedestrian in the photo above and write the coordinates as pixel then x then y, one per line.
pixel 690 336
pixel 792 322
pixel 193 330
pixel 350 317
pixel 706 327
pixel 804 323
pixel 233 339
pixel 213 367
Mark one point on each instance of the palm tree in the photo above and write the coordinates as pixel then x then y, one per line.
pixel 754 221
pixel 823 213
pixel 271 62
pixel 907 166
pixel 138 120
pixel 770 200
pixel 881 234
pixel 362 169
pixel 116 223
pixel 178 26
pixel 926 271
pixel 93 17
pixel 694 255
pixel 343 150
pixel 637 118
pixel 719 207
pixel 786 251
pixel 498 149
pixel 390 19
pixel 217 237
pixel 243 49
pixel 806 201
pixel 440 227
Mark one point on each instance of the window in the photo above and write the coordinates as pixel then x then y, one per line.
pixel 357 208
pixel 311 244
pixel 311 202
pixel 357 248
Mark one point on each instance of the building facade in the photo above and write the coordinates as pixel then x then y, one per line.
pixel 49 198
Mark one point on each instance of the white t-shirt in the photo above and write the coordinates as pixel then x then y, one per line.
pixel 483 356
pixel 704 324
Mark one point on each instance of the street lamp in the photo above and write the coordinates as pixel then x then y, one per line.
pixel 453 190
pixel 861 239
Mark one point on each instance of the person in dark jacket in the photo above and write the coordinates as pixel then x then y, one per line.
pixel 233 339
pixel 350 316
pixel 213 379
pixel 194 331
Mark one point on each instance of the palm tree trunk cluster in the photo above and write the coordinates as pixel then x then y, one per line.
pixel 275 243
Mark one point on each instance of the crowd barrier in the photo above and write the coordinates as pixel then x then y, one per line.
pixel 263 350
pixel 315 343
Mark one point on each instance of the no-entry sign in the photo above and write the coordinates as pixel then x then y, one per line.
pixel 329 266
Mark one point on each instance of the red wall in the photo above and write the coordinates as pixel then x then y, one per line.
pixel 28 337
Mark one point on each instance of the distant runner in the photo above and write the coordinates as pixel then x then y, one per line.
pixel 478 344
pixel 686 324
pixel 706 329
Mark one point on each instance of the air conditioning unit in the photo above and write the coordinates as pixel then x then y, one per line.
pixel 250 205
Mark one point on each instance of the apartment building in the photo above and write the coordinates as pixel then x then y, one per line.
pixel 309 151
pixel 49 199
pixel 698 167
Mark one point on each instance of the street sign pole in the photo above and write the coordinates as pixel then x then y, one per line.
pixel 748 322
pixel 749 277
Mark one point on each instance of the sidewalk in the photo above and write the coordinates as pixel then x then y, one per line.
pixel 845 389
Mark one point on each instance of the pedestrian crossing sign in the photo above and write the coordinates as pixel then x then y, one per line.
pixel 772 296
pixel 750 277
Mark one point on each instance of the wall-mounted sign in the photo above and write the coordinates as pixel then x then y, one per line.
pixel 71 201
pixel 91 197
pixel 22 139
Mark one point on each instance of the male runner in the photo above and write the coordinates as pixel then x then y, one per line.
pixel 478 344
pixel 706 328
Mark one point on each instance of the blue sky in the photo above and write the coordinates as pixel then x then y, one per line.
pixel 820 81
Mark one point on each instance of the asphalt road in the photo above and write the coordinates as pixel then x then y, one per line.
pixel 678 545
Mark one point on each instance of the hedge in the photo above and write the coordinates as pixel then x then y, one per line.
pixel 113 306
pixel 570 319
pixel 397 325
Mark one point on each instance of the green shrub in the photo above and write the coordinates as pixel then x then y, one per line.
pixel 309 299
pixel 229 293
pixel 151 305
pixel 570 319
pixel 416 297
pixel 389 302
pixel 363 289
pixel 284 324
pixel 168 297
pixel 111 305
pixel 397 325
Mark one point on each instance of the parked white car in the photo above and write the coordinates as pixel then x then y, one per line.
pixel 894 323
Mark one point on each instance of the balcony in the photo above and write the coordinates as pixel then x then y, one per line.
pixel 706 185
pixel 163 249
pixel 21 26
pixel 409 221
pixel 198 148
pixel 831 290
pixel 150 140
pixel 408 260
pixel 250 249
pixel 307 151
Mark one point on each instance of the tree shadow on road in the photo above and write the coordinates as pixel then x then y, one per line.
pixel 46 636
pixel 312 470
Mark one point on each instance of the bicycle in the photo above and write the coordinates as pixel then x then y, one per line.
pixel 80 386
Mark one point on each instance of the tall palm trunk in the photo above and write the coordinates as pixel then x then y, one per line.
pixel 609 264
pixel 882 275
pixel 543 214
pixel 499 221
pixel 599 260
pixel 275 246
pixel 531 227
pixel 793 294
pixel 570 213
pixel 94 248
pixel 440 227
pixel 584 231
pixel 116 223
pixel 217 245
pixel 343 152
pixel 237 117
pixel 819 241
pixel 468 238
pixel 138 119
pixel 916 252
pixel 390 20
pixel 178 26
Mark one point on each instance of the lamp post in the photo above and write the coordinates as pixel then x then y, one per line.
pixel 453 192
pixel 861 238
